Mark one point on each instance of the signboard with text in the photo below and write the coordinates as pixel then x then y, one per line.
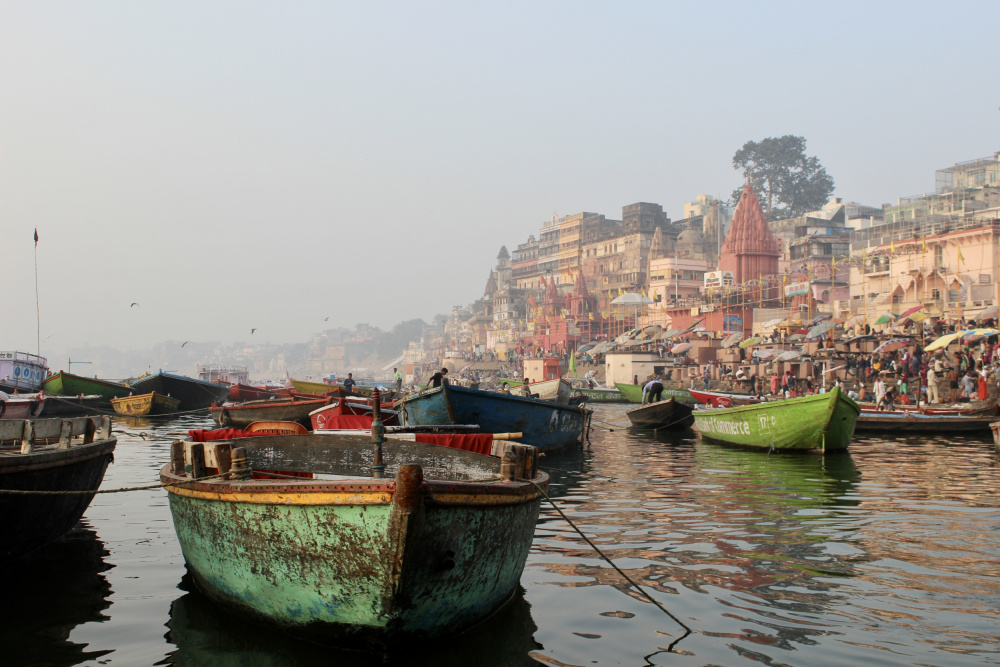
pixel 796 289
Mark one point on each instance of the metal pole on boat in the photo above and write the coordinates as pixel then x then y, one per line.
pixel 378 434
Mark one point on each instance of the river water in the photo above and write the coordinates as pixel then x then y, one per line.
pixel 888 555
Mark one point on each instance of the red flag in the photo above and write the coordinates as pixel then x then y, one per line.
pixel 36 236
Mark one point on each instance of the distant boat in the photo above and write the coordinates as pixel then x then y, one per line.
pixel 144 405
pixel 17 406
pixel 241 416
pixel 544 424
pixel 68 464
pixel 239 393
pixel 718 399
pixel 320 388
pixel 557 390
pixel 670 413
pixel 193 394
pixel 67 384
pixel 633 393
pixel 912 421
pixel 823 422
pixel 22 372
pixel 432 549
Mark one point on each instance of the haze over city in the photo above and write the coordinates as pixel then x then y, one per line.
pixel 234 166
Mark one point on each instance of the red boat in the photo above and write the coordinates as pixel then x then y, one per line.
pixel 720 400
pixel 13 406
pixel 346 413
pixel 239 393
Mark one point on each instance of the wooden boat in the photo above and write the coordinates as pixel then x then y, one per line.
pixel 22 371
pixel 193 394
pixel 17 406
pixel 69 406
pixel 321 388
pixel 633 393
pixel 28 462
pixel 823 422
pixel 240 416
pixel 545 424
pixel 557 390
pixel 922 422
pixel 995 427
pixel 670 413
pixel 238 393
pixel 67 384
pixel 145 404
pixel 431 549
pixel 722 400
pixel 347 413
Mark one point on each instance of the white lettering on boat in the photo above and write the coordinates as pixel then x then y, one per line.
pixel 713 425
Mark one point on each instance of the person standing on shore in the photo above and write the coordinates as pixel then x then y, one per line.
pixel 933 393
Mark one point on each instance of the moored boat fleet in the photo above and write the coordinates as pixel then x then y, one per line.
pixel 371 517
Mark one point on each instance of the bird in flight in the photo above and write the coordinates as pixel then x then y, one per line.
pixel 134 304
pixel 325 319
pixel 251 331
pixel 185 343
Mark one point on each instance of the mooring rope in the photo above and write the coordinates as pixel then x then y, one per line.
pixel 617 569
pixel 20 492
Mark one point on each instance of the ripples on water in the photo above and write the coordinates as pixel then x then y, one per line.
pixel 888 555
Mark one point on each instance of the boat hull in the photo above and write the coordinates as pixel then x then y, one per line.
pixel 31 521
pixel 321 388
pixel 193 394
pixel 823 422
pixel 363 562
pixel 633 393
pixel 603 395
pixel 67 406
pixel 557 390
pixel 67 384
pixel 244 392
pixel 18 407
pixel 670 413
pixel 145 405
pixel 544 424
pixel 241 416
pixel 922 423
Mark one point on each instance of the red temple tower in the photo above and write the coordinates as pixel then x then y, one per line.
pixel 750 250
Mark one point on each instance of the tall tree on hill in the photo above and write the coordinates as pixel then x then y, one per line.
pixel 789 182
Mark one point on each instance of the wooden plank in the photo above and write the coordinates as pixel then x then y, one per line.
pixel 177 457
pixel 66 435
pixel 49 429
pixel 219 455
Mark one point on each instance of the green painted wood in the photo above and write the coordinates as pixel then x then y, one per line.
pixel 603 395
pixel 350 572
pixel 633 393
pixel 67 384
pixel 823 422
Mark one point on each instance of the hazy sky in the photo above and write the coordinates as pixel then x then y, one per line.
pixel 239 165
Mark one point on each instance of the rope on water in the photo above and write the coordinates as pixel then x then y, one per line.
pixel 19 492
pixel 105 411
pixel 617 569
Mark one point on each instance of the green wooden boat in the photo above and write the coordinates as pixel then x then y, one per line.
pixel 67 384
pixel 433 548
pixel 633 393
pixel 822 422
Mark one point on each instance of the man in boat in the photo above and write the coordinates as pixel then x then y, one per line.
pixel 397 378
pixel 654 390
pixel 349 383
pixel 438 379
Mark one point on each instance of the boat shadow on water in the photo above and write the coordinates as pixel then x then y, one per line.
pixel 205 634
pixel 56 589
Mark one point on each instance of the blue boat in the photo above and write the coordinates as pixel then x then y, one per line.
pixel 544 424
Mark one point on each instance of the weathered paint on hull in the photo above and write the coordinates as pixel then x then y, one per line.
pixel 633 393
pixel 144 405
pixel 823 422
pixel 344 571
pixel 920 423
pixel 544 424
pixel 67 384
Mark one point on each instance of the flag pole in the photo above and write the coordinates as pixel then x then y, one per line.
pixel 38 317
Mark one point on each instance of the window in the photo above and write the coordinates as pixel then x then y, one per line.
pixel 938 256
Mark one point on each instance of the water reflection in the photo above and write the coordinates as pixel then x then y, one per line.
pixel 49 593
pixel 205 634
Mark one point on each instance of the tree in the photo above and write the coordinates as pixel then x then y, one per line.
pixel 788 182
